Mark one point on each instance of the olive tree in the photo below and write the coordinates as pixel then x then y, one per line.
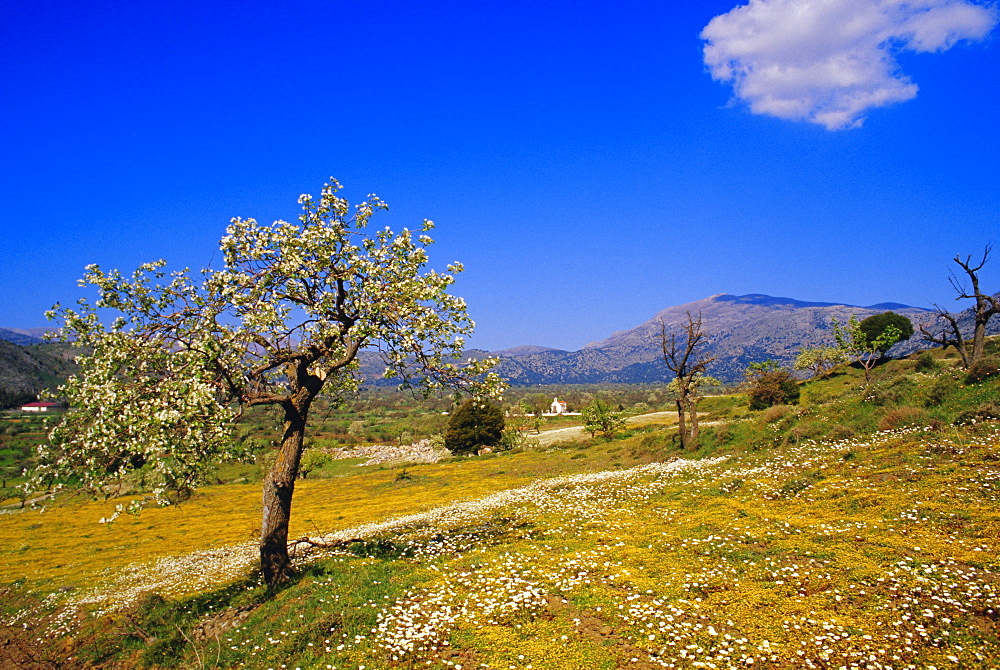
pixel 282 321
pixel 875 327
pixel 856 345
pixel 818 359
pixel 600 417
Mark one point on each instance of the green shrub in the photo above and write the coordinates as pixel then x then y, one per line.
pixel 940 390
pixel 925 362
pixel 986 412
pixel 984 368
pixel 890 392
pixel 656 440
pixel 906 417
pixel 769 384
pixel 473 425
pixel 312 459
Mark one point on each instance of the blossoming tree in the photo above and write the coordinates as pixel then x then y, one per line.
pixel 283 321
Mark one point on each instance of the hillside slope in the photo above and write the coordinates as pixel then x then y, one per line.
pixel 26 370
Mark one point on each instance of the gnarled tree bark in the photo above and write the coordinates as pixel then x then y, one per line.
pixel 279 485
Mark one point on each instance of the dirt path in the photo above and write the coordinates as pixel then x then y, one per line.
pixel 548 437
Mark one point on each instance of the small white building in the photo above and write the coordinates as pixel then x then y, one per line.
pixel 40 407
pixel 557 407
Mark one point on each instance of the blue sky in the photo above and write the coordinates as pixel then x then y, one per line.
pixel 589 163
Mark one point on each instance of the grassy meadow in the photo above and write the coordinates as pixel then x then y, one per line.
pixel 857 529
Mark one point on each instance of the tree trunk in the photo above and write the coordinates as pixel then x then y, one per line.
pixel 978 342
pixel 680 421
pixel 693 410
pixel 275 565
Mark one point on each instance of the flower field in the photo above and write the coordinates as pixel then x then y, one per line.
pixel 874 552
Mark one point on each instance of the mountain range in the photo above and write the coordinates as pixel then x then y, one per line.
pixel 23 336
pixel 740 330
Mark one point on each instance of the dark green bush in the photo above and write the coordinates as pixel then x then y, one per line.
pixel 925 362
pixel 890 392
pixel 473 425
pixel 769 384
pixel 984 368
pixel 938 392
pixel 876 325
pixel 987 412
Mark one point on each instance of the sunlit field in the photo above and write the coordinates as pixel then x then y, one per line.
pixel 878 550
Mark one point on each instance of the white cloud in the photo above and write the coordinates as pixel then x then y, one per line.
pixel 830 61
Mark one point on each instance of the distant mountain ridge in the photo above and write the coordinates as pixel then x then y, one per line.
pixel 23 336
pixel 741 330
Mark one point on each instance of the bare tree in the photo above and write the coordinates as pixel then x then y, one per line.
pixel 688 365
pixel 949 333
